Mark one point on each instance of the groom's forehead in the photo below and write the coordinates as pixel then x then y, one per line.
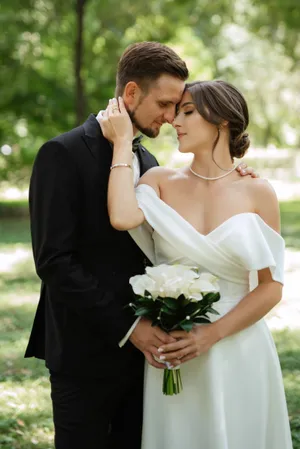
pixel 169 96
pixel 169 90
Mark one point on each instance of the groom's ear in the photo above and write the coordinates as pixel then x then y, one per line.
pixel 131 93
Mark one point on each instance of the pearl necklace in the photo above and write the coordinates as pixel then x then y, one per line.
pixel 211 179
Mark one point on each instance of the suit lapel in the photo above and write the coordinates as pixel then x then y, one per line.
pixel 146 160
pixel 102 150
pixel 96 142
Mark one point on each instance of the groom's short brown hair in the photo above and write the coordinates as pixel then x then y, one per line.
pixel 145 62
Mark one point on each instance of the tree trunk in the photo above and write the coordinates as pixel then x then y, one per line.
pixel 80 97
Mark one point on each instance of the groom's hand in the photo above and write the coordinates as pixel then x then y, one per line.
pixel 244 170
pixel 148 339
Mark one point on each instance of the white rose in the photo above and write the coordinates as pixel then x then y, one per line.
pixel 192 291
pixel 205 283
pixel 180 283
pixel 210 283
pixel 165 271
pixel 171 280
pixel 142 282
pixel 159 278
pixel 172 288
pixel 156 272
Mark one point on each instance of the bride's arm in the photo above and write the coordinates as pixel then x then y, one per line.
pixel 123 209
pixel 250 309
pixel 268 292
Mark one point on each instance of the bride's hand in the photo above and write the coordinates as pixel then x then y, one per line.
pixel 116 124
pixel 190 344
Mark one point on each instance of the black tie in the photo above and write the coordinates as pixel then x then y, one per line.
pixel 136 143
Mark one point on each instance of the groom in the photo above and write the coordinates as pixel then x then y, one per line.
pixel 85 265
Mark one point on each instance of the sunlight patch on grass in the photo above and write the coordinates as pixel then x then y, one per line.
pixel 26 414
pixel 9 260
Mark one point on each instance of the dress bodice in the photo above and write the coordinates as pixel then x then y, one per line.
pixel 234 251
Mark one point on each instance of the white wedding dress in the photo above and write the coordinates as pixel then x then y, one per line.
pixel 233 396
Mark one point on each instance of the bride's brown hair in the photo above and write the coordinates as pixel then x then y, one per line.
pixel 218 101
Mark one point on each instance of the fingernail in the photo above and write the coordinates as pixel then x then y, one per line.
pixel 243 171
pixel 160 350
pixel 162 357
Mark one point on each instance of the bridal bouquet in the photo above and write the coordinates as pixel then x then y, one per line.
pixel 174 297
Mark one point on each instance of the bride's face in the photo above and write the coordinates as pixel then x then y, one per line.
pixel 194 133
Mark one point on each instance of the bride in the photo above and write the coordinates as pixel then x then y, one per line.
pixel 207 215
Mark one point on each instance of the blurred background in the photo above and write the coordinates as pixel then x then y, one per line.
pixel 58 64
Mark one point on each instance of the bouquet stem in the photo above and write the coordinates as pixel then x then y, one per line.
pixel 172 383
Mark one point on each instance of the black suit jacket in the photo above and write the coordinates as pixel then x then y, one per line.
pixel 84 263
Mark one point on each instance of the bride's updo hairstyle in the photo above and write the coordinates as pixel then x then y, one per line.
pixel 218 101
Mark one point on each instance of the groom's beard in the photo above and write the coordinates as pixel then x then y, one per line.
pixel 149 132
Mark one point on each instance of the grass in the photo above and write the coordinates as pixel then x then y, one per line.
pixel 14 232
pixel 290 223
pixel 14 208
pixel 25 406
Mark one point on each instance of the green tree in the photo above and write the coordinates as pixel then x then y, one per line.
pixel 59 60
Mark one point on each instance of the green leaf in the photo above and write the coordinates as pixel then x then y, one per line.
pixel 167 311
pixel 213 311
pixel 182 300
pixel 143 311
pixel 201 320
pixel 186 325
pixel 171 303
pixel 192 307
pixel 145 302
pixel 211 297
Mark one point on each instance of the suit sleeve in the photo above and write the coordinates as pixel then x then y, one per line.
pixel 54 200
pixel 156 161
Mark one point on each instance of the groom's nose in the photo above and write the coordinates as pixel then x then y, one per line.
pixel 175 123
pixel 169 115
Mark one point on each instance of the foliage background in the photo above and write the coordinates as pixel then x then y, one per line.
pixel 58 64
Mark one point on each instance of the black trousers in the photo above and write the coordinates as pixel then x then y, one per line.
pixel 97 413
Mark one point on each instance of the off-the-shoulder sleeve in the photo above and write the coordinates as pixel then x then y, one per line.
pixel 142 235
pixel 241 245
pixel 263 248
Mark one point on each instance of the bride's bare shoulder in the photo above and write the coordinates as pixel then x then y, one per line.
pixel 157 175
pixel 260 186
pixel 264 200
pixel 160 171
